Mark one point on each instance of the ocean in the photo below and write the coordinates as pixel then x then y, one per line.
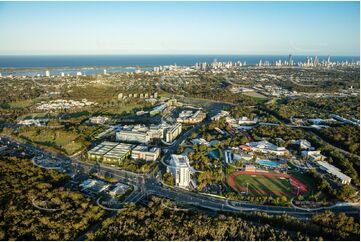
pixel 92 64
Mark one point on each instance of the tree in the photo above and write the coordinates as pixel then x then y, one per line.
pixel 168 178
pixel 346 192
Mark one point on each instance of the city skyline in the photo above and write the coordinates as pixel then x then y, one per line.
pixel 181 28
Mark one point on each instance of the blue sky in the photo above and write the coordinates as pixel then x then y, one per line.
pixel 320 28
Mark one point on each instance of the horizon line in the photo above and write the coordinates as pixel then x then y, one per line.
pixel 175 54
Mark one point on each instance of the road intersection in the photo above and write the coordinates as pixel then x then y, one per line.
pixel 150 186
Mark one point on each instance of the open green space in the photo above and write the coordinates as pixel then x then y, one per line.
pixel 255 95
pixel 307 180
pixel 118 109
pixel 38 115
pixel 58 139
pixel 75 115
pixel 262 185
pixel 21 104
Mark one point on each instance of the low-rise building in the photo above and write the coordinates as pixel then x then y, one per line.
pixel 313 155
pixel 36 122
pixel 220 115
pixel 267 148
pixel 94 186
pixel 158 109
pixel 118 153
pixel 97 153
pixel 99 120
pixel 200 141
pixel 156 131
pixel 243 156
pixel 334 171
pixel 304 144
pixel 180 169
pixel 250 168
pixel 142 152
pixel 188 117
pixel 132 137
pixel 110 152
pixel 247 121
pixel 118 189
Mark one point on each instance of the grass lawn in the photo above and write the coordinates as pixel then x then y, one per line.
pixel 75 115
pixel 255 95
pixel 21 104
pixel 58 139
pixel 117 109
pixel 27 103
pixel 38 115
pixel 306 179
pixel 262 185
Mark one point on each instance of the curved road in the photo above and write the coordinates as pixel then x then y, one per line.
pixel 150 186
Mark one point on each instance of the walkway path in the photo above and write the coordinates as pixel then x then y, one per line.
pixel 44 209
pixel 339 204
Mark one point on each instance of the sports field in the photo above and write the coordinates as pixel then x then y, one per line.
pixel 262 183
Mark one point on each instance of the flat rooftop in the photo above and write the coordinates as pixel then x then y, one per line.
pixel 144 148
pixel 132 133
pixel 180 160
pixel 102 148
pixel 333 170
pixel 119 150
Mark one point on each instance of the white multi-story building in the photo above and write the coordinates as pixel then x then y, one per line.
pixel 47 73
pixel 180 169
pixel 220 115
pixel 142 152
pixel 156 131
pixel 190 117
pixel 172 132
pixel 132 136
pixel 99 120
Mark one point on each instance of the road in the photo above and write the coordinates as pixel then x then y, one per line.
pixel 181 196
pixel 149 185
pixel 174 147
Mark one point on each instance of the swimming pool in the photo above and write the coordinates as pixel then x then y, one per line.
pixel 268 163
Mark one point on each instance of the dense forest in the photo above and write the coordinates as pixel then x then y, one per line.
pixel 347 107
pixel 346 137
pixel 34 205
pixel 159 220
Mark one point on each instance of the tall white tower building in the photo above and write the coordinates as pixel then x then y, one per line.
pixel 180 169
